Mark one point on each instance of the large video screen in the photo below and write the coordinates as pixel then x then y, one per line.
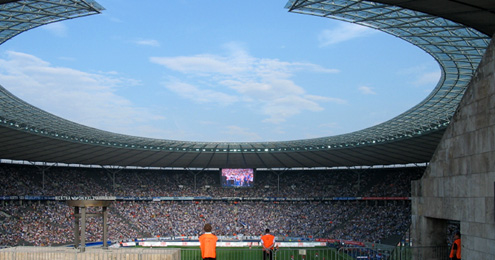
pixel 237 178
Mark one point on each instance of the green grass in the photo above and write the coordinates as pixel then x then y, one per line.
pixel 256 253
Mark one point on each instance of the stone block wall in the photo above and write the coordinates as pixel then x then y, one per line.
pixel 460 179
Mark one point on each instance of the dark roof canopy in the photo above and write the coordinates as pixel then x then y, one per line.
pixel 28 133
pixel 477 14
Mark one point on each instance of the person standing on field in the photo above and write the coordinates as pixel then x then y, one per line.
pixel 268 243
pixel 208 243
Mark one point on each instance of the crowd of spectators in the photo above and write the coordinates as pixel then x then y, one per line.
pixel 48 223
pixel 51 223
pixel 66 181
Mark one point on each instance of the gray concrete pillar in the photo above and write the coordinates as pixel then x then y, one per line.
pixel 76 227
pixel 83 229
pixel 105 228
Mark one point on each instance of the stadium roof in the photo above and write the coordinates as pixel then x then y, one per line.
pixel 30 134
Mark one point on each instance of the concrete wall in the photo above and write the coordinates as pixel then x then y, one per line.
pixel 459 182
pixel 65 253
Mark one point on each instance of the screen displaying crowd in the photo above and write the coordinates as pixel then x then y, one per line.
pixel 237 177
pixel 50 223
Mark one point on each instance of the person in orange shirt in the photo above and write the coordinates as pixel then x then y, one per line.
pixel 268 243
pixel 455 252
pixel 208 243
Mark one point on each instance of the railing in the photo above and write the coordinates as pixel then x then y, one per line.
pixel 255 253
pixel 420 253
pixel 342 253
pixel 280 254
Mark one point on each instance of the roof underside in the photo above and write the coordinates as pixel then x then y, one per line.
pixel 28 133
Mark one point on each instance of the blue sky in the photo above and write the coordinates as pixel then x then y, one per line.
pixel 216 71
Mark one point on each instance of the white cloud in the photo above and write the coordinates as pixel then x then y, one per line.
pixel 422 75
pixel 82 97
pixel 202 64
pixel 281 108
pixel 327 99
pixel 58 29
pixel 342 33
pixel 429 78
pixel 148 42
pixel 365 90
pixel 262 84
pixel 314 68
pixel 232 133
pixel 189 91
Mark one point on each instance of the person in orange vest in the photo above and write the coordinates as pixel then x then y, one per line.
pixel 455 252
pixel 268 243
pixel 208 243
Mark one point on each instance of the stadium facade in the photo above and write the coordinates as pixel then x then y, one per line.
pixel 453 127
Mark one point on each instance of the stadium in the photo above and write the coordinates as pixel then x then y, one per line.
pixel 396 190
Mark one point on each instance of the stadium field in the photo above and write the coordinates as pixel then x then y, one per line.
pixel 237 253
